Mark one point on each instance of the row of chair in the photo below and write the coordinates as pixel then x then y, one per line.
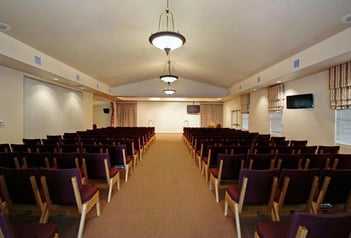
pixel 303 225
pixel 271 161
pixel 117 156
pixel 310 181
pixel 48 191
pixel 281 192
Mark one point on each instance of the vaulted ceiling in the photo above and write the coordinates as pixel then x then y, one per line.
pixel 226 41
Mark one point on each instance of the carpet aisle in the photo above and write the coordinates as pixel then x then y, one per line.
pixel 165 197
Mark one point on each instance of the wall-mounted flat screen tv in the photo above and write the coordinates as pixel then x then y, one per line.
pixel 299 101
pixel 193 109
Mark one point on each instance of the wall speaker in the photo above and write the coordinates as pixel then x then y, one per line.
pixel 106 110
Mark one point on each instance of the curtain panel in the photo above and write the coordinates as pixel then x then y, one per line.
pixel 126 114
pixel 276 98
pixel 340 86
pixel 245 103
pixel 211 115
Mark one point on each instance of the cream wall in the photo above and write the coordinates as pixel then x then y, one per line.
pixel 11 105
pixel 49 109
pixel 228 107
pixel 101 119
pixel 259 116
pixel 166 116
pixel 314 124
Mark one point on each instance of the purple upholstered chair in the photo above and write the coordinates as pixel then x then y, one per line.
pixel 288 161
pixel 320 161
pixel 37 160
pixel 21 148
pixel 63 190
pixel 21 190
pixel 97 168
pixel 227 170
pixel 120 159
pixel 26 230
pixel 296 189
pixel 211 160
pixel 5 148
pixel 312 149
pixel 260 161
pixel 342 161
pixel 10 160
pixel 328 149
pixel 305 225
pixel 67 160
pixel 336 189
pixel 254 188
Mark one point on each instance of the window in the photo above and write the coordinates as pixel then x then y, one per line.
pixel 245 121
pixel 275 119
pixel 343 127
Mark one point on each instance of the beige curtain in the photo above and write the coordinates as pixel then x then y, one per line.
pixel 126 114
pixel 211 115
pixel 245 103
pixel 340 86
pixel 276 98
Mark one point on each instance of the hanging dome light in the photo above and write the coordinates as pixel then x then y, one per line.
pixel 166 39
pixel 169 90
pixel 169 78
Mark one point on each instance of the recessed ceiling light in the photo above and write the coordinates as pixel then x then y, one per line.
pixel 346 18
pixel 4 27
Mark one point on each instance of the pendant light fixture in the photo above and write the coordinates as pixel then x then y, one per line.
pixel 166 38
pixel 169 78
pixel 169 90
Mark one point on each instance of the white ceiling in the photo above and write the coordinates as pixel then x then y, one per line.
pixel 227 41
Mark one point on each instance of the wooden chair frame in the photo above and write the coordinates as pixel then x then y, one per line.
pixel 83 208
pixel 238 207
pixel 110 181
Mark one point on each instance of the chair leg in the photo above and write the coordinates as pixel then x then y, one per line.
pixel 98 207
pixel 109 190
pixel 237 220
pixel 44 216
pixel 225 207
pixel 216 190
pixel 126 173
pixel 118 184
pixel 82 221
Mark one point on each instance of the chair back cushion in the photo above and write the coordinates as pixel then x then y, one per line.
pixel 18 184
pixel 300 184
pixel 66 160
pixel 231 165
pixel 339 186
pixel 95 164
pixel 321 225
pixel 116 154
pixel 259 185
pixel 60 184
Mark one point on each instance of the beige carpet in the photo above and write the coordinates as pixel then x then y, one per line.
pixel 165 197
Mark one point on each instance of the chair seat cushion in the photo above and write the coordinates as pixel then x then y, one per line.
pixel 21 230
pixel 215 172
pixel 87 192
pixel 233 192
pixel 273 229
pixel 205 160
pixel 113 171
pixel 129 159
